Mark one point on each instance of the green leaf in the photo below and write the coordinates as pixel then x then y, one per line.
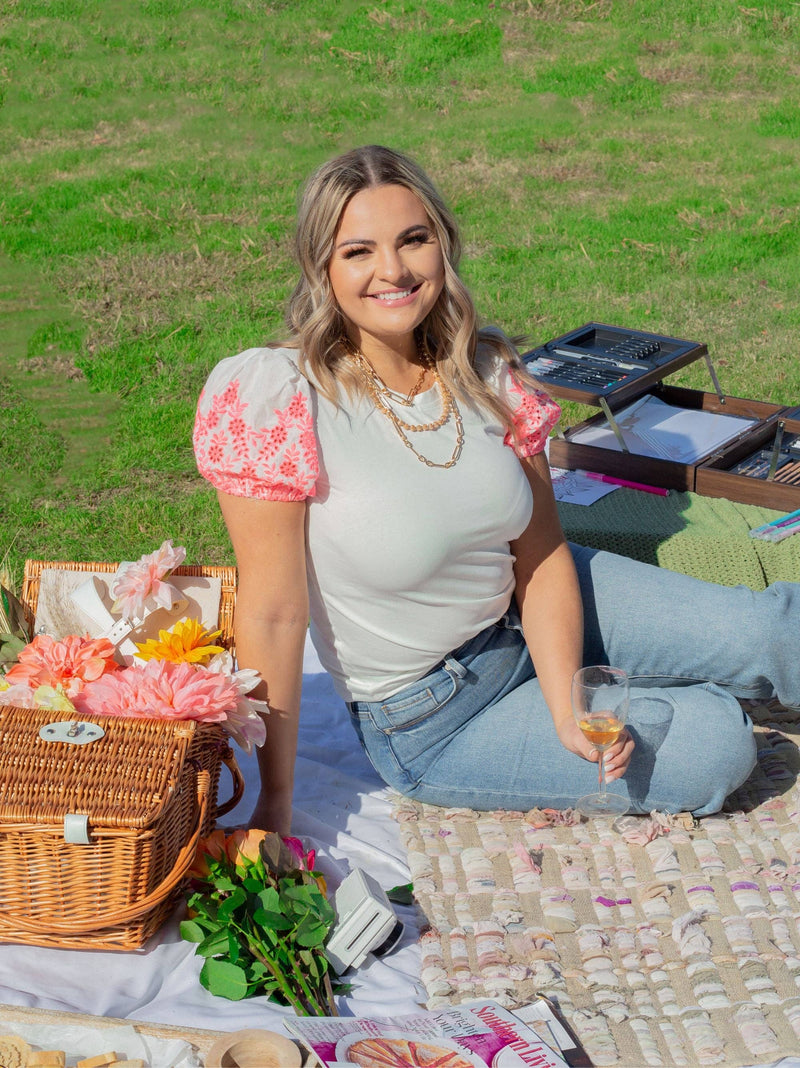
pixel 326 913
pixel 314 964
pixel 213 944
pixel 224 979
pixel 233 947
pixel 401 895
pixel 256 972
pixel 192 931
pixel 298 893
pixel 270 899
pixel 231 904
pixel 267 931
pixel 10 648
pixel 270 922
pixel 20 627
pixel 205 907
pixel 271 914
pixel 311 934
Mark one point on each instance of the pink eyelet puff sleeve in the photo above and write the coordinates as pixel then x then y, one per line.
pixel 254 431
pixel 535 414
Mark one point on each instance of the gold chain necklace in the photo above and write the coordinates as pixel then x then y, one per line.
pixel 380 394
pixel 406 401
pixel 367 370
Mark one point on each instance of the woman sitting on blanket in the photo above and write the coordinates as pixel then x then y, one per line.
pixel 383 471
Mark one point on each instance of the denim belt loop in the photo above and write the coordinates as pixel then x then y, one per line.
pixel 510 619
pixel 452 667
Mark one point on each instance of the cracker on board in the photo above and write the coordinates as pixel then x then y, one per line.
pixel 14 1051
pixel 47 1058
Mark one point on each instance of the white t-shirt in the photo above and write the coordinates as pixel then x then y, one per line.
pixel 405 562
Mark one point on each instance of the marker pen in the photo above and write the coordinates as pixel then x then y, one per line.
pixel 659 490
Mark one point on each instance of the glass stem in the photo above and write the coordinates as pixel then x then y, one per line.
pixel 601 772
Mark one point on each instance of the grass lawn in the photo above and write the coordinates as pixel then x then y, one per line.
pixel 635 163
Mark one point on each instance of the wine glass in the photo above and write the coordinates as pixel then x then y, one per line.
pixel 600 698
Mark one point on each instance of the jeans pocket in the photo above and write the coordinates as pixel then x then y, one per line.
pixel 416 703
pixel 404 733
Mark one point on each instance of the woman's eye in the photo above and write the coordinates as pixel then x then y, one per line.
pixel 353 251
pixel 416 239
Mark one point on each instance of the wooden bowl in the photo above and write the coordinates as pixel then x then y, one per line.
pixel 254 1048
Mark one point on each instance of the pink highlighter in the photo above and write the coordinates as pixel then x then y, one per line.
pixel 629 485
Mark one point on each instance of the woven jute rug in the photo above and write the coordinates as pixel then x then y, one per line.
pixel 683 949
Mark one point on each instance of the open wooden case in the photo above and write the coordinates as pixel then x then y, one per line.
pixel 763 468
pixel 621 372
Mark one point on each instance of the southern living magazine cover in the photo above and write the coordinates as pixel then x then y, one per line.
pixel 477 1035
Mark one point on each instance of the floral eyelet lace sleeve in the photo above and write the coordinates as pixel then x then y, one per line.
pixel 535 414
pixel 254 431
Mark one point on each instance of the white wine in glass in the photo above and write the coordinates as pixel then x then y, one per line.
pixel 600 698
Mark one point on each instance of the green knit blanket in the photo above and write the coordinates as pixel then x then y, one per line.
pixel 702 536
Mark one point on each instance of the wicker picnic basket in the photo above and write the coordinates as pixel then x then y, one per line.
pixel 136 801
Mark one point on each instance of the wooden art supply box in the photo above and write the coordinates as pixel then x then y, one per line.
pixel 617 370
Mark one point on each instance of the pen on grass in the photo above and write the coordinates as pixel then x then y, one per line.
pixel 628 485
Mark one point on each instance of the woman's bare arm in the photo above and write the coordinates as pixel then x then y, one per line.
pixel 270 625
pixel 549 600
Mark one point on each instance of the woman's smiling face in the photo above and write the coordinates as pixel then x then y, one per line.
pixel 387 267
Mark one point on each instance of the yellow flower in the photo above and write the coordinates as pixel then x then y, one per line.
pixel 53 697
pixel 187 643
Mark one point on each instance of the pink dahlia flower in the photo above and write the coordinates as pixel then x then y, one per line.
pixel 160 690
pixel 69 664
pixel 145 578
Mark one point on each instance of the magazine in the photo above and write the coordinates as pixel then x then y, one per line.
pixel 480 1034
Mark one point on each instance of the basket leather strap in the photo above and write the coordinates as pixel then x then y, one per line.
pixel 229 760
pixel 49 925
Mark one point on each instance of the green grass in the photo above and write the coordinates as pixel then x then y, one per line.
pixel 633 163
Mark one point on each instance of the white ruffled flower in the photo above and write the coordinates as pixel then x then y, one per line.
pixel 244 722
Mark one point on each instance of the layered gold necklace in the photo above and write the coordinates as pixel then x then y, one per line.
pixel 381 396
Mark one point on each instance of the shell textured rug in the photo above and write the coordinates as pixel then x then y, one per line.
pixel 666 941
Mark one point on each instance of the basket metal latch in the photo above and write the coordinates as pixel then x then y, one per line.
pixel 74 731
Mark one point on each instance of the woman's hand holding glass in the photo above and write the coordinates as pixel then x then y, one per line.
pixel 617 756
pixel 600 699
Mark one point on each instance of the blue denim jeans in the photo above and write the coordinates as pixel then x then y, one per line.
pixel 475 731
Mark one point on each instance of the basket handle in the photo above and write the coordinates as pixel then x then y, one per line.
pixel 229 760
pixel 47 925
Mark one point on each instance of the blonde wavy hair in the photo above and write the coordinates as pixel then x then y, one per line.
pixel 451 327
